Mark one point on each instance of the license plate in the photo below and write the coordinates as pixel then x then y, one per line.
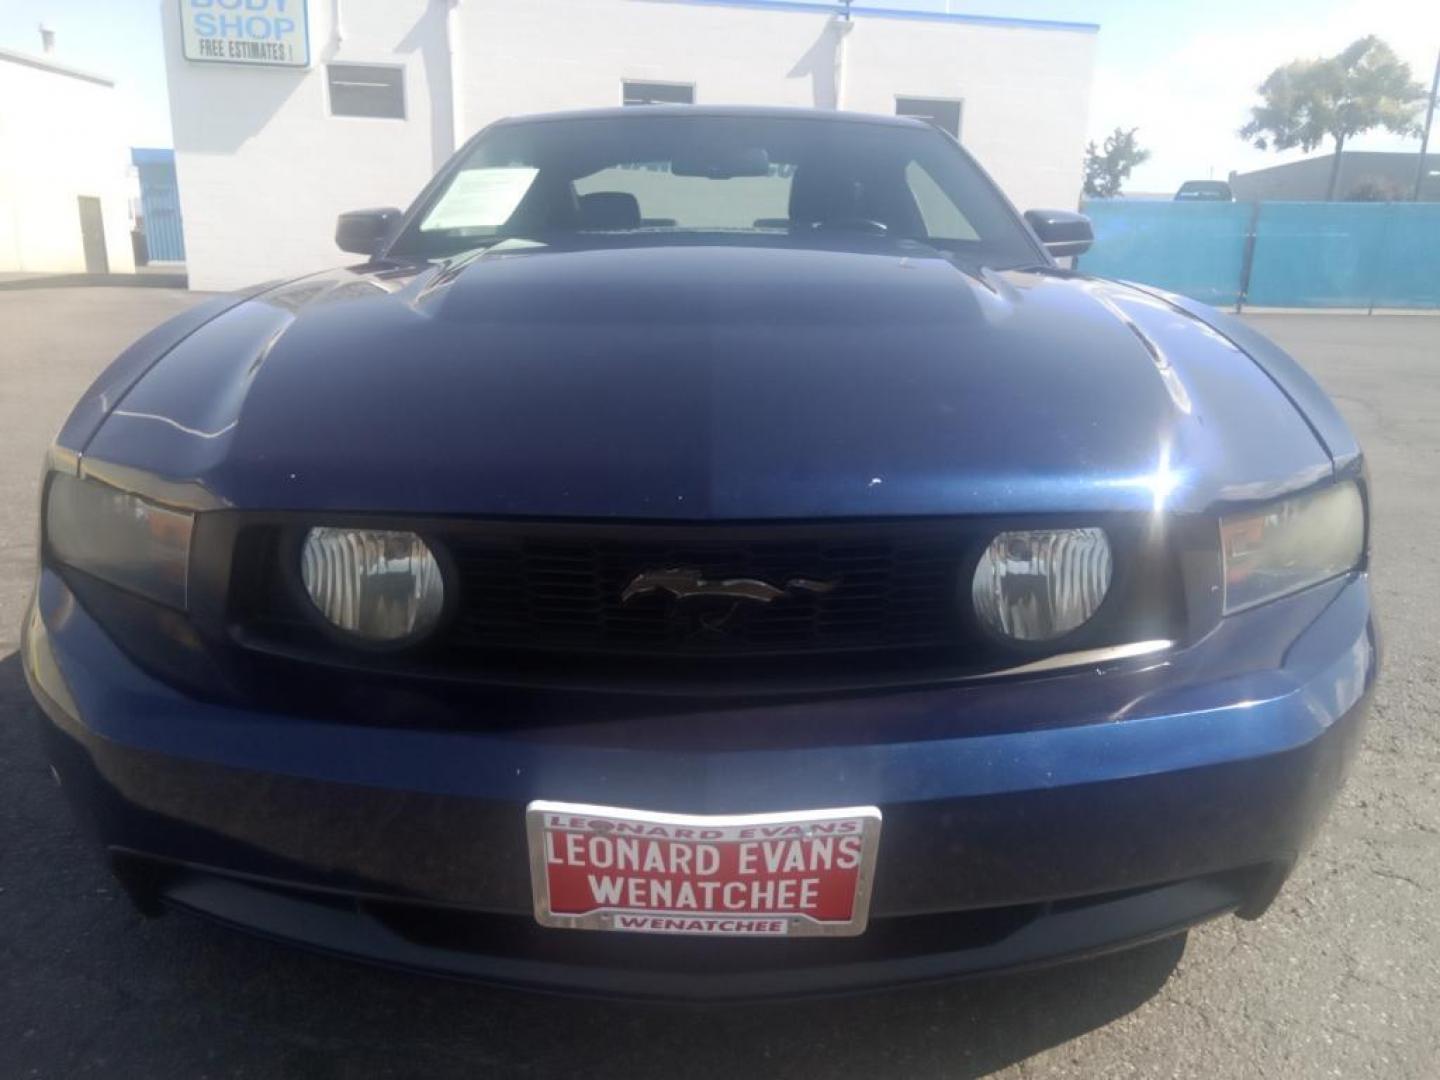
pixel 798 874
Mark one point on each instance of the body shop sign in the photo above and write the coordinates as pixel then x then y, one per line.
pixel 268 32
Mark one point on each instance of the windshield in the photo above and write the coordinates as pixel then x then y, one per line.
pixel 693 175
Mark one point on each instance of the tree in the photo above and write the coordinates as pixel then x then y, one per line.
pixel 1107 169
pixel 1362 87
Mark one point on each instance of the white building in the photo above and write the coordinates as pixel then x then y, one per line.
pixel 64 170
pixel 284 117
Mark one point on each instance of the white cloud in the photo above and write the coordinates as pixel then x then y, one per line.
pixel 1189 101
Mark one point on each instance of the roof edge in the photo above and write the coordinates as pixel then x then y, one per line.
pixel 828 7
pixel 27 60
pixel 772 112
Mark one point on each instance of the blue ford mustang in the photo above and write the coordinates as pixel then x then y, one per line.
pixel 704 553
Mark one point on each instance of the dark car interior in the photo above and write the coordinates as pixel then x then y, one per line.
pixel 725 177
pixel 820 198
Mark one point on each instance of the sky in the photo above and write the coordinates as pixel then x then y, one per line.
pixel 1183 71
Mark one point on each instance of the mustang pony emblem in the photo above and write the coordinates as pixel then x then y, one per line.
pixel 684 583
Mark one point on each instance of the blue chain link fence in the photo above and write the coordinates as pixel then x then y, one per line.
pixel 1273 254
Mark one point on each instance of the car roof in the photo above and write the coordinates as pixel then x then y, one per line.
pixel 766 112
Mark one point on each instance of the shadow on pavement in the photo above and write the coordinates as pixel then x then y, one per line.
pixel 87 985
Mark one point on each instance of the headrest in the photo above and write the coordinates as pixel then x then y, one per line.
pixel 820 195
pixel 609 210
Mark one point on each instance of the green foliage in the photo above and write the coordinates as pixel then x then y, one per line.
pixel 1106 169
pixel 1362 87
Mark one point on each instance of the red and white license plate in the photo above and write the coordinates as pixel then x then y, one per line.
pixel 796 874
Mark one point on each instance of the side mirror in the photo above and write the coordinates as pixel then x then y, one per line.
pixel 1063 232
pixel 363 231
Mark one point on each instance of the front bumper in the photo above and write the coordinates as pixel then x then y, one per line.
pixel 1087 811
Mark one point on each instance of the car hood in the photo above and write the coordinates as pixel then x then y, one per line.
pixel 709 382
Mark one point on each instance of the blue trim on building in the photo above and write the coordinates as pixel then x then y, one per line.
pixel 160 203
pixel 152 155
pixel 895 13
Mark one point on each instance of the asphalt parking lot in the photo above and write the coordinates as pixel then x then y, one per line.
pixel 1340 979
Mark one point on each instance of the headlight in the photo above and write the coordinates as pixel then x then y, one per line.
pixel 122 538
pixel 1291 544
pixel 1042 583
pixel 379 585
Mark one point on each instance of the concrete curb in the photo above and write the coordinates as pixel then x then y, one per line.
pixel 1248 310
pixel 152 280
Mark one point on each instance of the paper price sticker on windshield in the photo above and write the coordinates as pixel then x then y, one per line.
pixel 793 874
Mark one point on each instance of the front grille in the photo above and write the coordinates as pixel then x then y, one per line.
pixel 857 593
pixel 544 604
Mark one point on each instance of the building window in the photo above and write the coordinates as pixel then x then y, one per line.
pixel 367 90
pixel 943 113
pixel 657 93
